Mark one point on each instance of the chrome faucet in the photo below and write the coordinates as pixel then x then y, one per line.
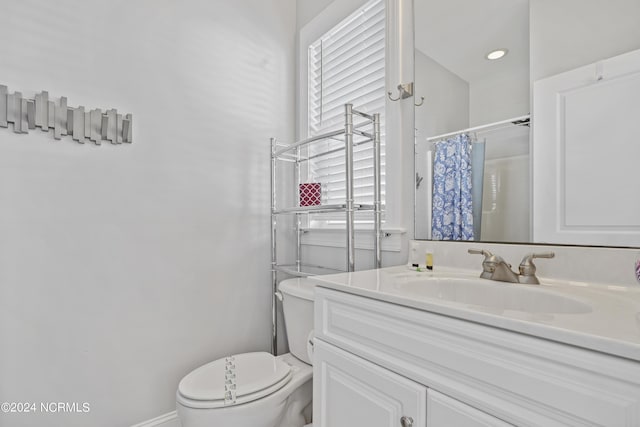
pixel 495 267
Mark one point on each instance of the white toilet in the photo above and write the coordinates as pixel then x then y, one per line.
pixel 257 389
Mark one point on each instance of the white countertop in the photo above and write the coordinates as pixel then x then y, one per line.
pixel 608 319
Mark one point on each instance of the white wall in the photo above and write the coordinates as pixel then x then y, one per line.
pixel 567 34
pixel 499 97
pixel 124 267
pixel 306 10
pixel 446 106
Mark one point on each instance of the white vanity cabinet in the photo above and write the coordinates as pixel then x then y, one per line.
pixel 355 392
pixel 376 362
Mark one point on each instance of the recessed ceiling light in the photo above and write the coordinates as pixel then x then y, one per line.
pixel 496 54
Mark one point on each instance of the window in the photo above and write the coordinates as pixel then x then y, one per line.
pixel 346 65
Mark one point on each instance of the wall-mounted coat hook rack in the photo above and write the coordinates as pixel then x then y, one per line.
pixel 405 91
pixel 82 126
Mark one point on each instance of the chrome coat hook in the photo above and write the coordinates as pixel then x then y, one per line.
pixel 405 91
pixel 90 125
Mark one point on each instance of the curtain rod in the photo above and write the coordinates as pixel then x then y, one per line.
pixel 515 121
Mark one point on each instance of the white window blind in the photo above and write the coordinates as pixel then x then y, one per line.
pixel 347 65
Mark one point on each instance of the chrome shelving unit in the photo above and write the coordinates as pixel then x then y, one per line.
pixel 292 154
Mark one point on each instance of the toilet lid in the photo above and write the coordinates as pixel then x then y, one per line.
pixel 254 372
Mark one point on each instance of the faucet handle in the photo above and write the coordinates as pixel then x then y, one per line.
pixel 488 264
pixel 527 267
pixel 486 253
pixel 488 256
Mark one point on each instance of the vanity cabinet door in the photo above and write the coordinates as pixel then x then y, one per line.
pixel 443 411
pixel 352 392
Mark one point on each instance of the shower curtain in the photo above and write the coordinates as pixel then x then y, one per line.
pixel 452 201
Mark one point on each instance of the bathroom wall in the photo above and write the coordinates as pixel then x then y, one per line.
pixel 306 10
pixel 446 106
pixel 498 97
pixel 124 267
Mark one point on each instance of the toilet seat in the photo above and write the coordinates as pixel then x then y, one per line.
pixel 256 375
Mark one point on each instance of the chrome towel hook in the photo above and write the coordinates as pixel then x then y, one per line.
pixel 405 91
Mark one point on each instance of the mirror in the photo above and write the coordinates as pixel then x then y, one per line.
pixel 514 157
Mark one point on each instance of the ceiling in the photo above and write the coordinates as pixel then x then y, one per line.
pixel 459 33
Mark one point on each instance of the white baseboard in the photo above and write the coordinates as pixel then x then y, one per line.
pixel 169 420
pixel 166 420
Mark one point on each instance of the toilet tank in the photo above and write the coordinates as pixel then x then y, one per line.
pixel 297 305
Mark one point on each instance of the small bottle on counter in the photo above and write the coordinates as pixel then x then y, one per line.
pixel 429 261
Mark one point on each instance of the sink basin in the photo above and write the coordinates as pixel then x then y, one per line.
pixel 490 294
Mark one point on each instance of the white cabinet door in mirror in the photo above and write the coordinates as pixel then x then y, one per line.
pixel 586 127
pixel 351 392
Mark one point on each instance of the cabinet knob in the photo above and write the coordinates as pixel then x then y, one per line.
pixel 406 422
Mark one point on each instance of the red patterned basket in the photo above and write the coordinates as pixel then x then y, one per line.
pixel 310 194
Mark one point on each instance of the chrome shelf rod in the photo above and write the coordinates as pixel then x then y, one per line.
pixel 308 141
pixel 335 150
pixel 274 273
pixel 361 114
pixel 377 204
